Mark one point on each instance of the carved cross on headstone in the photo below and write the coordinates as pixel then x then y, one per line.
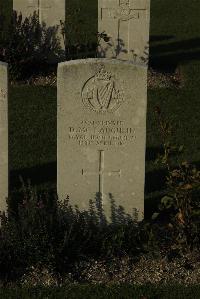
pixel 124 12
pixel 39 7
pixel 33 4
pixel 101 172
pixel 122 15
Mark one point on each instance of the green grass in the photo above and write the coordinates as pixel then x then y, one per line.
pixel 32 131
pixel 32 113
pixel 81 17
pixel 104 292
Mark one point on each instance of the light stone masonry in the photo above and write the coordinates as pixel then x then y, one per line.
pixel 126 25
pixel 101 133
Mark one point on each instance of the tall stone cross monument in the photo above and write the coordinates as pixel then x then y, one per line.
pixel 125 26
pixel 3 135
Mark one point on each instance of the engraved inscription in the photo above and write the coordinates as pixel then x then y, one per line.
pixel 123 13
pixel 102 93
pixel 101 172
pixel 101 133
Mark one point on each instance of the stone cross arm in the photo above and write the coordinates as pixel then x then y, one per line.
pixel 101 172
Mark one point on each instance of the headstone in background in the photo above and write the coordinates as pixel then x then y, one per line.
pixel 3 135
pixel 50 12
pixel 126 25
pixel 79 21
pixel 26 7
pixel 101 132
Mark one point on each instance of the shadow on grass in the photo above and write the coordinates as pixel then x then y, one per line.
pixel 155 181
pixel 160 38
pixel 41 174
pixel 33 41
pixel 168 55
pixel 152 153
pixel 37 175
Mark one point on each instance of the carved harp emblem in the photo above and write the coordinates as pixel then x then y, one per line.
pixel 101 93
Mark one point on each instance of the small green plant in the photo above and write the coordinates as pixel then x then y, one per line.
pixel 40 231
pixel 27 44
pixel 182 202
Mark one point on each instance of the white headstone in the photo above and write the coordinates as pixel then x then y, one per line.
pixel 101 133
pixel 3 136
pixel 52 11
pixel 126 24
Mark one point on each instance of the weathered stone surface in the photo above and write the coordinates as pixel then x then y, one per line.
pixel 101 133
pixel 126 24
pixel 52 12
pixel 3 135
pixel 26 7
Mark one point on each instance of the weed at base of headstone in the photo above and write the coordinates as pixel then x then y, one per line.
pixel 180 207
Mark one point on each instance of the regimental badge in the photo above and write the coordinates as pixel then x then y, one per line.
pixel 102 93
pixel 124 11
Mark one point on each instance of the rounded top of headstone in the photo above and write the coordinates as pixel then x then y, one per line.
pixel 100 60
pixel 3 63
